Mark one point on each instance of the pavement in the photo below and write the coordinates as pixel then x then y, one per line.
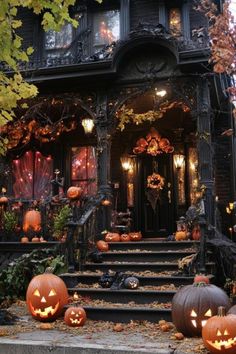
pixel 28 336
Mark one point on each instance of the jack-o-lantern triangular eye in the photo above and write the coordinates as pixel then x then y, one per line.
pixel 226 333
pixel 208 313
pixel 36 293
pixel 72 313
pixel 193 313
pixel 218 333
pixel 52 293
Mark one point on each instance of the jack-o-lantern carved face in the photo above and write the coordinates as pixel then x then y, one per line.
pixel 135 236
pixel 46 296
pixel 194 304
pixel 75 316
pixel 131 283
pixel 219 334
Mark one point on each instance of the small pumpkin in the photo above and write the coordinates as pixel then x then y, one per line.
pixel 196 233
pixel 135 236
pixel 181 235
pixel 219 333
pixel 24 239
pixel 232 310
pixel 32 221
pixel 131 283
pixel 75 316
pixel 3 200
pixel 112 237
pixel 106 280
pixel 46 296
pixel 194 304
pixel 102 246
pixel 35 239
pixel 201 278
pixel 125 238
pixel 74 192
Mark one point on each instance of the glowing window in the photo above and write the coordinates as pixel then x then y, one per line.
pixel 175 22
pixel 106 28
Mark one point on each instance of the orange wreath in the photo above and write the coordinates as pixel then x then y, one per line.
pixel 155 181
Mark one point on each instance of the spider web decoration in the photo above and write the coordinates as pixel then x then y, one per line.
pixel 153 144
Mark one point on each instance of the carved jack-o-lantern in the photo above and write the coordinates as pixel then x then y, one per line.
pixel 32 221
pixel 131 283
pixel 46 296
pixel 135 236
pixel 106 280
pixel 125 238
pixel 75 316
pixel 219 333
pixel 74 192
pixel 112 237
pixel 194 304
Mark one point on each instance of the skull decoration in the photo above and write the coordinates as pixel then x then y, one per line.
pixel 219 333
pixel 46 296
pixel 131 283
pixel 75 316
pixel 194 304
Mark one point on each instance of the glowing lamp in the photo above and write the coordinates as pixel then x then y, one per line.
pixel 126 162
pixel 160 93
pixel 179 161
pixel 88 125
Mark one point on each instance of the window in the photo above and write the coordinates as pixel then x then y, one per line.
pixel 58 42
pixel 175 22
pixel 32 174
pixel 84 169
pixel 106 28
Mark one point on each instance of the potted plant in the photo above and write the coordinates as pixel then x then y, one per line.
pixel 9 226
pixel 60 221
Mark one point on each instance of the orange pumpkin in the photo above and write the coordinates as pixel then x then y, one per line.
pixel 125 238
pixel 46 296
pixel 102 246
pixel 181 235
pixel 32 221
pixel 35 239
pixel 24 239
pixel 112 237
pixel 75 316
pixel 135 236
pixel 3 200
pixel 74 192
pixel 196 233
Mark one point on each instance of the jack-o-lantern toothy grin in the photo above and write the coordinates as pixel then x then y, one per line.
pixel 44 312
pixel 223 343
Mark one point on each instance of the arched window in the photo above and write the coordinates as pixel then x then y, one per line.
pixel 32 174
pixel 175 22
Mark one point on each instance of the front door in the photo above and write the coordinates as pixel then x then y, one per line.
pixel 155 209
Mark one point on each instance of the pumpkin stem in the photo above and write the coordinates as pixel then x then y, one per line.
pixel 49 270
pixel 221 311
pixel 200 284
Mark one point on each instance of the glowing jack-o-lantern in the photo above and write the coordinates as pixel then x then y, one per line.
pixel 46 296
pixel 135 236
pixel 131 283
pixel 112 237
pixel 75 316
pixel 194 304
pixel 219 333
pixel 32 221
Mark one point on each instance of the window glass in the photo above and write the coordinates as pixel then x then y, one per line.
pixel 32 174
pixel 84 169
pixel 59 40
pixel 175 22
pixel 106 28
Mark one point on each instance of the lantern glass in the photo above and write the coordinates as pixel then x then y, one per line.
pixel 88 125
pixel 179 161
pixel 126 162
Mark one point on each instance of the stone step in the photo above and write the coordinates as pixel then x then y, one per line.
pixel 73 279
pixel 124 295
pixel 148 256
pixel 159 245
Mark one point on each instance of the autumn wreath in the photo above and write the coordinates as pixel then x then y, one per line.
pixel 155 181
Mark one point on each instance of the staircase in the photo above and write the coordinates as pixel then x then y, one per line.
pixel 154 262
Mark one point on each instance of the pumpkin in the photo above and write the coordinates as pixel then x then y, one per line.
pixel 106 280
pixel 181 235
pixel 194 304
pixel 112 237
pixel 102 246
pixel 74 192
pixel 75 316
pixel 35 239
pixel 196 233
pixel 106 202
pixel 3 200
pixel 232 310
pixel 135 236
pixel 219 333
pixel 201 278
pixel 125 238
pixel 131 283
pixel 46 296
pixel 24 239
pixel 32 221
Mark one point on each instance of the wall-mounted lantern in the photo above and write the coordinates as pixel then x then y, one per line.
pixel 88 125
pixel 126 163
pixel 179 161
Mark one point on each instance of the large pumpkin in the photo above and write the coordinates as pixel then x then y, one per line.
pixel 46 296
pixel 75 316
pixel 194 304
pixel 219 333
pixel 135 236
pixel 102 246
pixel 112 237
pixel 74 192
pixel 32 221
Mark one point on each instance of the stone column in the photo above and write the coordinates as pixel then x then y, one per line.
pixel 205 150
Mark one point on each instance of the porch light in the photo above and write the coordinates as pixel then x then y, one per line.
pixel 160 93
pixel 179 161
pixel 88 125
pixel 126 162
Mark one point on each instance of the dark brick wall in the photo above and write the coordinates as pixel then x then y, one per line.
pixel 143 11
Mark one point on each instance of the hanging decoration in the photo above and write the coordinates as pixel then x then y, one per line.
pixel 127 115
pixel 155 183
pixel 153 145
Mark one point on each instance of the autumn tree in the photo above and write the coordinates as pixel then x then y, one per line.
pixel 13 87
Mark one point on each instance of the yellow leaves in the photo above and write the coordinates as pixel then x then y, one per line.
pixel 16 24
pixel 29 50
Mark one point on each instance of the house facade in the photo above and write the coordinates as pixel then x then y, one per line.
pixel 136 73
